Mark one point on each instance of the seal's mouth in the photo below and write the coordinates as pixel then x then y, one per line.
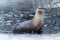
pixel 40 11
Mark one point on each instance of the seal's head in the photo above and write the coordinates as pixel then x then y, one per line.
pixel 40 11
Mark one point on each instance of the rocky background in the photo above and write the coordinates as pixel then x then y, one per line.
pixel 13 13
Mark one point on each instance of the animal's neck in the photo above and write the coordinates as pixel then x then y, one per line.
pixel 38 21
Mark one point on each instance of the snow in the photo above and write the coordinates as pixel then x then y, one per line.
pixel 29 36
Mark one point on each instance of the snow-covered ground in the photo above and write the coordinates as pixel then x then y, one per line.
pixel 29 36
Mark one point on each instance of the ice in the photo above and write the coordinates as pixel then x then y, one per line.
pixel 29 36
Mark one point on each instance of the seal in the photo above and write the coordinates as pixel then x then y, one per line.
pixel 33 25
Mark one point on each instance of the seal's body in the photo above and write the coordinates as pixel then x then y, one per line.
pixel 32 25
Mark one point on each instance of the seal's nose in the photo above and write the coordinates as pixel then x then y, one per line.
pixel 39 8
